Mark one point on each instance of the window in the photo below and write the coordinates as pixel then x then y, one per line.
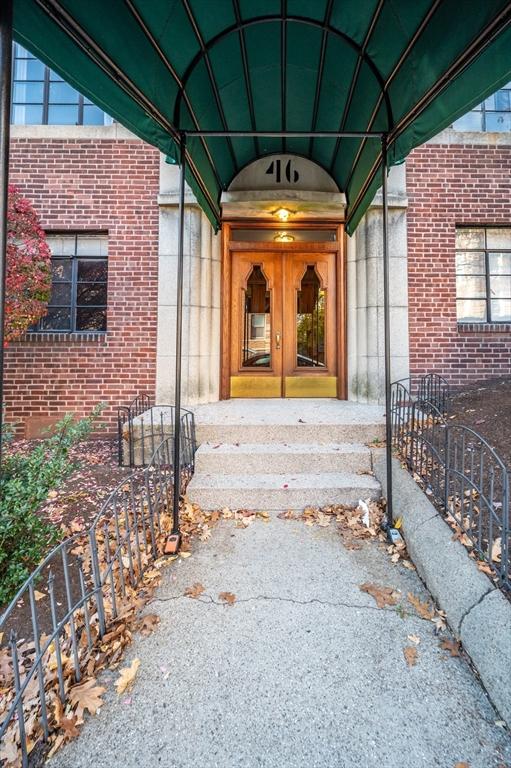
pixel 41 97
pixel 494 114
pixel 79 284
pixel 483 275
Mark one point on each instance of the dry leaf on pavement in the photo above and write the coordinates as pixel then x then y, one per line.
pixel 127 677
pixel 68 725
pixel 425 610
pixel 462 765
pixel 195 590
pixel 410 654
pixel 86 697
pixel 227 597
pixel 453 646
pixel 383 595
pixel 148 624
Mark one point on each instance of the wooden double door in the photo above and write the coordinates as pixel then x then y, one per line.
pixel 283 320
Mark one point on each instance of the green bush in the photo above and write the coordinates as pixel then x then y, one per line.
pixel 25 480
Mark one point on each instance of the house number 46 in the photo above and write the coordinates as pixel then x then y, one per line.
pixel 277 169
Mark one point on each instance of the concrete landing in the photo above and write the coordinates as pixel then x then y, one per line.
pixel 284 454
pixel 303 671
pixel 317 448
pixel 291 420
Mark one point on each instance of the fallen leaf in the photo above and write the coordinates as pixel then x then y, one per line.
pixel 184 555
pixel 410 654
pixel 414 639
pixel 323 520
pixel 425 610
pixel 127 677
pixel 287 515
pixel 496 550
pixel 148 624
pixel 484 567
pixel 462 765
pixel 227 597
pixel 383 595
pixel 86 697
pixel 38 595
pixel 453 646
pixel 68 725
pixel 195 590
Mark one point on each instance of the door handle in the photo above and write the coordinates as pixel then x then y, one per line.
pixel 277 340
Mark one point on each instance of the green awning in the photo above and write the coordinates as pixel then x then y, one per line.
pixel 163 66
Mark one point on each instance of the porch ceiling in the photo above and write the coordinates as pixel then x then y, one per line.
pixel 163 66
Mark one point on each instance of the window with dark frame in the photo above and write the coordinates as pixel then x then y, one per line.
pixel 41 97
pixel 78 301
pixel 483 274
pixel 494 114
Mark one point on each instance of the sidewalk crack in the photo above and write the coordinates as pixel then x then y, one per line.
pixel 208 600
pixel 469 610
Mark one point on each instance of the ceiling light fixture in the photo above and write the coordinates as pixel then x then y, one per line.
pixel 283 214
pixel 283 237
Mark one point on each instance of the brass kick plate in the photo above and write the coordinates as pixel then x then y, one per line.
pixel 256 386
pixel 310 386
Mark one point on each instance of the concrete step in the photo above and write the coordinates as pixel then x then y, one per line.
pixel 288 421
pixel 280 491
pixel 289 433
pixel 277 458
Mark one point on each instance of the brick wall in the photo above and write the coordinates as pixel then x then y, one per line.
pixel 80 185
pixel 450 185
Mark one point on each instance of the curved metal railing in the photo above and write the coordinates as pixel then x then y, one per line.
pixel 462 473
pixel 73 596
pixel 141 427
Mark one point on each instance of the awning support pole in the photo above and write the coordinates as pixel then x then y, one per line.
pixel 5 127
pixel 386 323
pixel 176 463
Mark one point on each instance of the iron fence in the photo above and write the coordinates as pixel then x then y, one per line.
pixel 142 426
pixel 85 582
pixel 461 472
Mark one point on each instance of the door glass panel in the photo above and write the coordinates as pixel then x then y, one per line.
pixel 310 322
pixel 256 347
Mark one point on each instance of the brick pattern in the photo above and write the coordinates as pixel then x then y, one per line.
pixel 450 185
pixel 84 185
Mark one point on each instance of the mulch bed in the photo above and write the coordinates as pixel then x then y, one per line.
pixel 486 408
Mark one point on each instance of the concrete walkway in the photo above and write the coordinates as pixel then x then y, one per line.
pixel 303 671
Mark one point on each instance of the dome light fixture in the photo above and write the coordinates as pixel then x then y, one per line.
pixel 282 214
pixel 283 237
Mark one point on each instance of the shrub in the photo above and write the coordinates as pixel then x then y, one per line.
pixel 28 267
pixel 26 479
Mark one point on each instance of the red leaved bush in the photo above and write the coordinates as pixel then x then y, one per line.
pixel 28 279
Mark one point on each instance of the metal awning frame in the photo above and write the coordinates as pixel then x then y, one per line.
pixel 181 137
pixel 383 139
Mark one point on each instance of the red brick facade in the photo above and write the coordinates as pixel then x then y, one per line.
pixel 449 186
pixel 90 185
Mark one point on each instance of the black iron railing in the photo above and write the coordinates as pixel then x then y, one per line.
pixel 85 581
pixel 142 426
pixel 459 470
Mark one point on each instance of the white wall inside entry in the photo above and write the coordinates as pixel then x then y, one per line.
pixel 202 277
pixel 201 298
pixel 366 364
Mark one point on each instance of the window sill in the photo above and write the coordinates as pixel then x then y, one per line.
pixel 53 337
pixel 484 327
